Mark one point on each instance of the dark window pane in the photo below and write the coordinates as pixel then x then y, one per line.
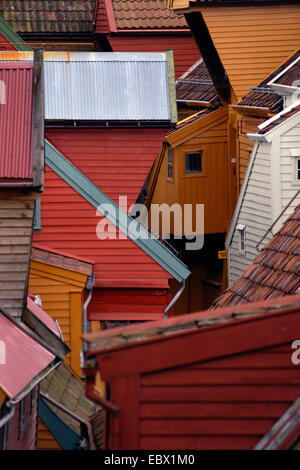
pixel 193 162
pixel 298 170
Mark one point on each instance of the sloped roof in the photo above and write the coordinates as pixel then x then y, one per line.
pixel 62 259
pixel 274 273
pixel 263 95
pixel 104 86
pixel 196 85
pixel 121 338
pixel 48 16
pixel 146 14
pixel 66 389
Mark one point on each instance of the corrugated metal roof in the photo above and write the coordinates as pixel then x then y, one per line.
pixel 106 86
pixel 25 358
pixel 103 86
pixel 16 117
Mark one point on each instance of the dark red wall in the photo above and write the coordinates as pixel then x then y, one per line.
pixel 28 439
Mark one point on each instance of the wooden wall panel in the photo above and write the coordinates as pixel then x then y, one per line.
pixel 252 41
pixel 227 403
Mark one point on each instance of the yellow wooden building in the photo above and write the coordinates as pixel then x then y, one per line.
pixel 193 168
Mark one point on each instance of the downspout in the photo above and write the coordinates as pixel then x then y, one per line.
pixel 89 287
pixel 175 298
pixel 6 418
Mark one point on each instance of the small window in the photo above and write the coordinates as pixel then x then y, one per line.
pixel 170 163
pixel 242 240
pixel 193 162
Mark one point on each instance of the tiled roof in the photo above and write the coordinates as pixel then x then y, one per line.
pixel 48 16
pixel 275 272
pixel 263 96
pixel 279 119
pixel 196 85
pixel 185 324
pixel 146 14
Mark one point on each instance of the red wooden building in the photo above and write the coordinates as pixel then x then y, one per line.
pixel 139 26
pixel 208 381
pixel 109 149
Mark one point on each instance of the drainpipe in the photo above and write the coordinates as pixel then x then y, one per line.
pixel 89 287
pixel 175 298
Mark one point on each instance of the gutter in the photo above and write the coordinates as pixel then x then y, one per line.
pixel 175 298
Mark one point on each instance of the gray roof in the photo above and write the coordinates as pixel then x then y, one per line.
pixel 103 86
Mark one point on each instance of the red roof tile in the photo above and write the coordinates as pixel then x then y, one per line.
pixel 16 117
pixel 275 272
pixel 196 85
pixel 142 14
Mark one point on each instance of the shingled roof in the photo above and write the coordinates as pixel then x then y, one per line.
pixel 274 273
pixel 48 16
pixel 196 85
pixel 263 96
pixel 146 14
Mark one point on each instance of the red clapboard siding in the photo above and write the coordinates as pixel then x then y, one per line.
pixel 27 440
pixel 116 160
pixel 129 304
pixel 186 52
pixel 74 229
